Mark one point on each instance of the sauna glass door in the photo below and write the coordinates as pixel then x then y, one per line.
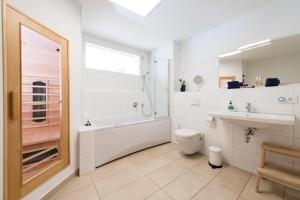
pixel 41 102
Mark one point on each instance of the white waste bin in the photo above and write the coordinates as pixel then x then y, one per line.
pixel 215 157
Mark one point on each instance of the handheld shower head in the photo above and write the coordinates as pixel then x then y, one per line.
pixel 146 74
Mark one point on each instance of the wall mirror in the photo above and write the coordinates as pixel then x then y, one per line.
pixel 255 64
pixel 36 106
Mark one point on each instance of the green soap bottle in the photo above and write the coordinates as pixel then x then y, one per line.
pixel 230 106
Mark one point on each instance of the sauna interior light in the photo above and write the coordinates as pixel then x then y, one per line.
pixel 140 7
pixel 256 44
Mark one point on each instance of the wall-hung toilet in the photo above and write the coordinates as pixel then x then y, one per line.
pixel 189 141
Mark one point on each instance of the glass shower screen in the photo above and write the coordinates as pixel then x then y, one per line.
pixel 161 96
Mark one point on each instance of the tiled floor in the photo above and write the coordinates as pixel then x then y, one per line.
pixel 163 173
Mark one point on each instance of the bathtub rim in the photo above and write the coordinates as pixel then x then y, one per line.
pixel 84 129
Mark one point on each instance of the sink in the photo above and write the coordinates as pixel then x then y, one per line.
pixel 255 120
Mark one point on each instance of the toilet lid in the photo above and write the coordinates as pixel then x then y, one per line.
pixel 187 133
pixel 214 149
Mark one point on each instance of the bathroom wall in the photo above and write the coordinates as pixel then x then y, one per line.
pixel 108 97
pixel 63 17
pixel 231 137
pixel 199 55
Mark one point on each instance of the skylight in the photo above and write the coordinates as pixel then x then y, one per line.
pixel 140 7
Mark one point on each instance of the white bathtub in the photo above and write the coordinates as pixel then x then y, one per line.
pixel 100 145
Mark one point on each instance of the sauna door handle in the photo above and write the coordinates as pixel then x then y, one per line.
pixel 13 105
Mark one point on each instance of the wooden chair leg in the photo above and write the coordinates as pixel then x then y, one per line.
pixel 258 179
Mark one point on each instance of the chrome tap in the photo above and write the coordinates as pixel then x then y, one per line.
pixel 249 107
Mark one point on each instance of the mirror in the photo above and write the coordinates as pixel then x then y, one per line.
pixel 41 102
pixel 198 79
pixel 265 63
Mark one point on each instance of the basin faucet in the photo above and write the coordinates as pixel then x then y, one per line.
pixel 248 107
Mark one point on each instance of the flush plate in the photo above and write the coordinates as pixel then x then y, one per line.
pixel 287 100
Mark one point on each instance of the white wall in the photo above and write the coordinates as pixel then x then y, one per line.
pixel 199 54
pixel 107 97
pixel 286 68
pixel 63 17
pixel 230 137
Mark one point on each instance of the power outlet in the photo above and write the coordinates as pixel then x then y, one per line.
pixel 287 100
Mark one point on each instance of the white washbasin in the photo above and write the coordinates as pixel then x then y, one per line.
pixel 255 120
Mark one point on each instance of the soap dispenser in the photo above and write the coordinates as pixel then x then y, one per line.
pixel 230 106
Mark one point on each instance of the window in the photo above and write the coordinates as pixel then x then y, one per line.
pixel 139 7
pixel 101 58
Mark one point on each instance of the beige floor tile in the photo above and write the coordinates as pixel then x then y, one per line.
pixel 205 170
pixel 160 195
pixel 111 168
pixel 291 194
pixel 164 148
pixel 215 192
pixel 190 161
pixel 237 178
pixel 269 190
pixel 138 190
pixel 117 181
pixel 175 154
pixel 167 174
pixel 151 153
pixel 186 186
pixel 142 156
pixel 86 193
pixel 154 164
pixel 75 184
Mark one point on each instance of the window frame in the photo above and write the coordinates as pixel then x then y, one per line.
pixel 113 50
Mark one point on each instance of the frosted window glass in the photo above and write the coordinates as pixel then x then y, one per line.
pixel 97 57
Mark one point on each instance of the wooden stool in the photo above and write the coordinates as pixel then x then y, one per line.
pixel 285 177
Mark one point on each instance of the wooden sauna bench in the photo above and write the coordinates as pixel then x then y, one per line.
pixel 38 141
pixel 286 177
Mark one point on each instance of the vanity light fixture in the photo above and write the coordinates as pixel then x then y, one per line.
pixel 230 54
pixel 255 45
pixel 139 7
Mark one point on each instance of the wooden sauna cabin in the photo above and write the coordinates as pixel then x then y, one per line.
pixel 41 103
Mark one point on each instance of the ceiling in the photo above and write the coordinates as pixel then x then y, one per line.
pixel 280 47
pixel 171 20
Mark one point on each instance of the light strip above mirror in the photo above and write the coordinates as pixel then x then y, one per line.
pixel 255 45
pixel 247 47
pixel 230 54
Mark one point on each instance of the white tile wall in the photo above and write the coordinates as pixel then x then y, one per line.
pixel 230 137
pixel 86 152
pixel 108 97
pixel 263 99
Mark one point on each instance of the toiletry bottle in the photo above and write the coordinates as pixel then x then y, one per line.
pixel 230 106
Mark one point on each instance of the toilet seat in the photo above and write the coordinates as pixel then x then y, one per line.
pixel 187 133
